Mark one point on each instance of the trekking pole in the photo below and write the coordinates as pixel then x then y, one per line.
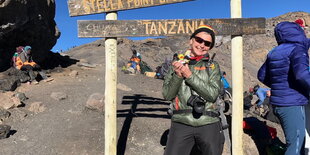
pixel 225 126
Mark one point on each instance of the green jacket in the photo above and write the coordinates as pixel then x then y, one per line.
pixel 205 81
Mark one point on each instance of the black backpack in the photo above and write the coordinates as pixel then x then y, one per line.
pixel 162 70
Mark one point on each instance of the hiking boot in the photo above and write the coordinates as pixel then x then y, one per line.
pixel 48 79
pixel 131 70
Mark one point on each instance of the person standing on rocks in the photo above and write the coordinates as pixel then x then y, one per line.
pixel 195 87
pixel 286 72
pixel 24 62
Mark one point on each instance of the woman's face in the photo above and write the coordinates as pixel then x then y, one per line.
pixel 198 44
pixel 28 51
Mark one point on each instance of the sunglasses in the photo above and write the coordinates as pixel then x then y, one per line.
pixel 200 40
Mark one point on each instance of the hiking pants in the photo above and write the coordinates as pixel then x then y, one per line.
pixel 293 124
pixel 29 70
pixel 208 138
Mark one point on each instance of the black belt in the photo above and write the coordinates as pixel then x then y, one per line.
pixel 208 113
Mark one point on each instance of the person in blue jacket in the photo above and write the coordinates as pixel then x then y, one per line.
pixel 262 94
pixel 224 81
pixel 286 72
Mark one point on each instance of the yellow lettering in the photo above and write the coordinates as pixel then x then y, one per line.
pixel 162 1
pixel 105 6
pixel 162 27
pixel 181 27
pixel 189 28
pixel 153 29
pixel 137 3
pixel 113 5
pixel 172 27
pixel 129 3
pixel 145 2
pixel 146 23
pixel 120 4
pixel 88 5
pixel 100 5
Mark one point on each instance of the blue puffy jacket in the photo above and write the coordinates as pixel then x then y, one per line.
pixel 285 70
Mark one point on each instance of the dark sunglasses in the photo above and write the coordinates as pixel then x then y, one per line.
pixel 200 40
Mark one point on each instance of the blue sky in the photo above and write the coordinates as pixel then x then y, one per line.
pixel 196 9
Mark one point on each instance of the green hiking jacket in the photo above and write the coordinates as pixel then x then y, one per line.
pixel 205 81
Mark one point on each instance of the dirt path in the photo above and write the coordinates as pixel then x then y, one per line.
pixel 67 127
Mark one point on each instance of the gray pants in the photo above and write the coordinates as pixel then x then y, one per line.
pixel 208 138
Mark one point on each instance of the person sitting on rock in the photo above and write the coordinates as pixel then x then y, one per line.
pixel 24 62
pixel 19 50
pixel 263 95
pixel 134 62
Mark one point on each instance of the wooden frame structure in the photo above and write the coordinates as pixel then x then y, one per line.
pixel 112 28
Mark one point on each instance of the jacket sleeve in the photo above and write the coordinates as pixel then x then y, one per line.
pixel 263 74
pixel 208 89
pixel 171 85
pixel 300 63
pixel 261 98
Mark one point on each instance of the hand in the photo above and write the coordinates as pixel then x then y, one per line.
pixel 186 72
pixel 177 68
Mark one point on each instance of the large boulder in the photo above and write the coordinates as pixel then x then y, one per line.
pixel 27 22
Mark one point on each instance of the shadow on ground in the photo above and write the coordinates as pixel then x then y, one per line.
pixel 134 111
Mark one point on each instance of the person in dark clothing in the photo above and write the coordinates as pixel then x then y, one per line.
pixel 25 63
pixel 195 87
pixel 286 72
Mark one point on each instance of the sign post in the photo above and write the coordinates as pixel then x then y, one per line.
pixel 237 83
pixel 110 92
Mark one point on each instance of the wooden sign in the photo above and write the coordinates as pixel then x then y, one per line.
pixel 138 28
pixel 85 7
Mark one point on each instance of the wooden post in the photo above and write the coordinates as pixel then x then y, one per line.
pixel 110 92
pixel 237 84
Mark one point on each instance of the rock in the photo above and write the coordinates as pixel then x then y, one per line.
pixel 36 107
pixel 4 114
pixel 8 84
pixel 123 87
pixel 83 61
pixel 82 64
pixel 73 73
pixel 21 96
pixel 95 102
pixel 9 101
pixel 33 24
pixel 4 131
pixel 59 96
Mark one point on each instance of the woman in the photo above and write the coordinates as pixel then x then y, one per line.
pixel 195 87
pixel 286 72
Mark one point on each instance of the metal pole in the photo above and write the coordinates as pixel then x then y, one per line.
pixel 237 83
pixel 110 92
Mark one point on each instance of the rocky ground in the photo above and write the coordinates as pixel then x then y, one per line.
pixel 55 118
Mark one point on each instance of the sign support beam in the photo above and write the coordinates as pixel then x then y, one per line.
pixel 237 83
pixel 110 100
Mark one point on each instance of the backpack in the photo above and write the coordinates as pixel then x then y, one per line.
pixel 145 67
pixel 162 70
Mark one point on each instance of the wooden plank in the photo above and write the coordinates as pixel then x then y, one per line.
pixel 136 28
pixel 85 7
